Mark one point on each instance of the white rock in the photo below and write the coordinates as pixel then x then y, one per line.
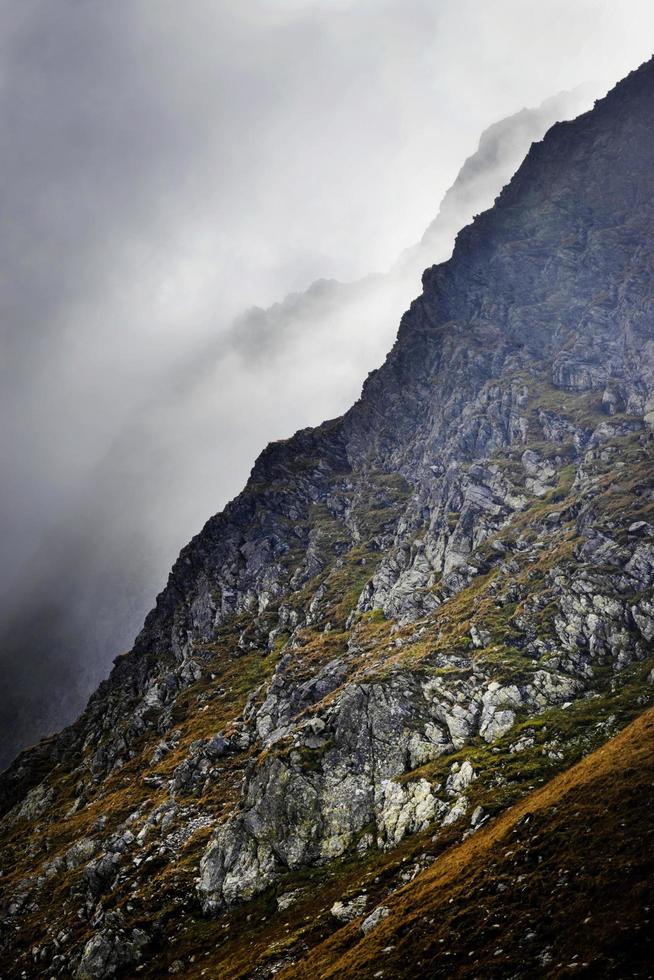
pixel 346 911
pixel 456 811
pixel 289 898
pixel 477 816
pixel 375 917
pixel 460 778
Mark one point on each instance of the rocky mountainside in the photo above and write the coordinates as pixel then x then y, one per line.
pixel 84 595
pixel 412 617
pixel 478 911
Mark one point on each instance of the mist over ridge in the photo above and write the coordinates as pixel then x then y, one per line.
pixel 93 580
pixel 392 713
pixel 163 174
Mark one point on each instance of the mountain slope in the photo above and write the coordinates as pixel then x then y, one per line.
pixel 560 885
pixel 86 593
pixel 410 618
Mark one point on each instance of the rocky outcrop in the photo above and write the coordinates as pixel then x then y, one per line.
pixel 111 949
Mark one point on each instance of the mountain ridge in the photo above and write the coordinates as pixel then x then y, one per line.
pixel 104 554
pixel 412 615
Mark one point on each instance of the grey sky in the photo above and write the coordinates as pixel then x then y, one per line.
pixel 166 166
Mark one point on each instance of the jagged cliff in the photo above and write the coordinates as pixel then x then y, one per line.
pixel 410 618
pixel 84 595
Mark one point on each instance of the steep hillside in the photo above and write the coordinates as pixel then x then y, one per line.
pixel 86 592
pixel 412 617
pixel 561 885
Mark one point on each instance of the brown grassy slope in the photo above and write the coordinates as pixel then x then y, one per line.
pixel 562 884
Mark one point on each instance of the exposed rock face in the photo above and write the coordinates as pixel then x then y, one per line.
pixel 96 590
pixel 111 949
pixel 406 604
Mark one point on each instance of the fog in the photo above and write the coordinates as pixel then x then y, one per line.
pixel 170 172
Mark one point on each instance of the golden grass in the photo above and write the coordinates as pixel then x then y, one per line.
pixel 568 871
